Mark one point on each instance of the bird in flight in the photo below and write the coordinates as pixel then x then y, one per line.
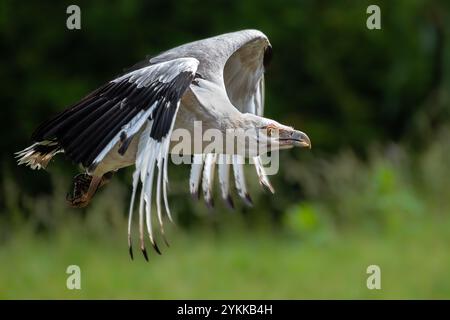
pixel 218 81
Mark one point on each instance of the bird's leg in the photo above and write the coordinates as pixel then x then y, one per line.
pixel 85 187
pixel 106 178
pixel 83 191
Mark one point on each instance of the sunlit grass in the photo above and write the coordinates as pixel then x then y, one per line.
pixel 230 265
pixel 391 210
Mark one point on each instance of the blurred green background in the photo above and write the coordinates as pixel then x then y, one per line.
pixel 374 189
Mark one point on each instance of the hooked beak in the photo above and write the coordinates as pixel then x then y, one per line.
pixel 294 138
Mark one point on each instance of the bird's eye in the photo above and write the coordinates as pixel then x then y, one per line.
pixel 270 131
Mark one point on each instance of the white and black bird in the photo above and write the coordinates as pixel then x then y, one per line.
pixel 129 120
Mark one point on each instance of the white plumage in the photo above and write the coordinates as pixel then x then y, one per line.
pixel 218 81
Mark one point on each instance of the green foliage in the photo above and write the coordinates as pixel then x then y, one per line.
pixel 373 188
pixel 391 210
pixel 383 194
pixel 233 265
pixel 345 85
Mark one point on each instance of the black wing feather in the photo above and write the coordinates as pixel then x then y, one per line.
pixel 86 128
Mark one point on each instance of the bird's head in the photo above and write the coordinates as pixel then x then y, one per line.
pixel 275 136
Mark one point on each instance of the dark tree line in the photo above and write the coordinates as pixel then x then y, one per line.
pixel 345 85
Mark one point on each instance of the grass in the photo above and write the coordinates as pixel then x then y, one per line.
pixel 391 210
pixel 232 266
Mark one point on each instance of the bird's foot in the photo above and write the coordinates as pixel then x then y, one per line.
pixel 77 198
pixel 84 189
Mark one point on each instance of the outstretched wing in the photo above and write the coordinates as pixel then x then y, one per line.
pixel 243 76
pixel 145 98
pixel 244 82
pixel 171 79
pixel 115 112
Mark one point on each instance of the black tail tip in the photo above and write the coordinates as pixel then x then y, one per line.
pixel 210 203
pixel 229 202
pixel 130 251
pixel 248 200
pixel 155 246
pixel 144 252
pixel 165 241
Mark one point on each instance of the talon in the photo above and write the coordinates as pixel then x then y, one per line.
pixel 79 202
pixel 84 188
pixel 78 199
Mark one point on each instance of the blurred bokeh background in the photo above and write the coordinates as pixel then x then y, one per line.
pixel 375 188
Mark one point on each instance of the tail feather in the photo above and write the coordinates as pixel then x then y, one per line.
pixel 38 155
